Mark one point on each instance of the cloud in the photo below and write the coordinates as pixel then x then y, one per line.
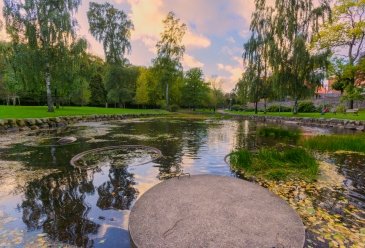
pixel 196 40
pixel 234 73
pixel 191 62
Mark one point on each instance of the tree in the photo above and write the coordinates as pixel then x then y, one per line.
pixel 142 96
pixel 195 90
pixel 97 86
pixel 170 51
pixel 257 51
pixel 121 84
pixel 47 27
pixel 216 95
pixel 299 69
pixel 111 27
pixel 345 35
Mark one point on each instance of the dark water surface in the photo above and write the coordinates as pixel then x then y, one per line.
pixel 43 199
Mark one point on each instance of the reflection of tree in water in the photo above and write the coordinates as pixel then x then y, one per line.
pixel 188 138
pixel 56 204
pixel 118 192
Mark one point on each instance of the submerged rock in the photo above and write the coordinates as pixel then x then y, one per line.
pixel 66 140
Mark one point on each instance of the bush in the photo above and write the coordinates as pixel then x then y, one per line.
pixel 278 108
pixel 174 108
pixel 341 109
pixel 237 107
pixel 307 107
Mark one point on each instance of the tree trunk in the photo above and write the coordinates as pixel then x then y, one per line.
pixel 49 92
pixel 295 108
pixel 256 107
pixel 56 99
pixel 265 103
pixel 167 95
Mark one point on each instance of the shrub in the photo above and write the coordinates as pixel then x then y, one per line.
pixel 237 107
pixel 278 108
pixel 174 108
pixel 341 109
pixel 307 107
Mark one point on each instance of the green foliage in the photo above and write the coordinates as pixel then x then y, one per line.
pixel 111 27
pixel 195 90
pixel 278 132
pixel 237 107
pixel 332 143
pixel 257 51
pixel 341 109
pixel 174 108
pixel 121 84
pixel 307 107
pixel 44 30
pixel 346 31
pixel 278 108
pixel 170 51
pixel 276 164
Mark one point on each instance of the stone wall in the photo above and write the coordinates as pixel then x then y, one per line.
pixel 15 125
pixel 306 121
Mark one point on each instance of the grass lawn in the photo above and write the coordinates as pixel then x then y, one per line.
pixel 359 117
pixel 18 112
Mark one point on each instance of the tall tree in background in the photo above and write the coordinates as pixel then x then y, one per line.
pixel 195 90
pixel 47 27
pixel 257 51
pixel 113 28
pixel 294 66
pixel 170 51
pixel 345 35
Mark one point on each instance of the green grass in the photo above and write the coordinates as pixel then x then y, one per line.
pixel 332 143
pixel 276 164
pixel 359 117
pixel 278 132
pixel 19 112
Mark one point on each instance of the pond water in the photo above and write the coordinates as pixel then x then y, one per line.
pixel 44 200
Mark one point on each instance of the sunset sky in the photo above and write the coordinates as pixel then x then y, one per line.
pixel 217 30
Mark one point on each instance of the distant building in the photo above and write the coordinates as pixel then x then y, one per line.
pixel 326 89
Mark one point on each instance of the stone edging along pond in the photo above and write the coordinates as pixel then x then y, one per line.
pixel 15 125
pixel 307 121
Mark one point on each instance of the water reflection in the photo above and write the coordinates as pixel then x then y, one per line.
pixel 90 207
pixel 57 205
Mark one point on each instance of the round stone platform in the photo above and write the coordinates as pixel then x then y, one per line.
pixel 213 211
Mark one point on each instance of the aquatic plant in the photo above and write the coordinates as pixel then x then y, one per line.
pixel 278 132
pixel 275 164
pixel 332 143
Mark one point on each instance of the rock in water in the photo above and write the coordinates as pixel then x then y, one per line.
pixel 66 140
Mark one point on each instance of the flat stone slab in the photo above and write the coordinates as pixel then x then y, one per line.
pixel 213 211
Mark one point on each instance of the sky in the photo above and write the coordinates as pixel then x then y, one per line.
pixel 216 32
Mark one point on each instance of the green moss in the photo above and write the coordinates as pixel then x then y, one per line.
pixel 278 132
pixel 275 164
pixel 332 143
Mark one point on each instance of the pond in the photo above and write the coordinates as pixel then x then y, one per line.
pixel 46 201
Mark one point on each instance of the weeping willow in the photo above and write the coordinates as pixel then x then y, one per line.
pixel 279 53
